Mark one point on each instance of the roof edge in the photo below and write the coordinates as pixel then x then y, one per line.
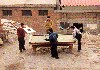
pixel 29 5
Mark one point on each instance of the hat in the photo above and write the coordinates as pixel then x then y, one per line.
pixel 48 16
pixel 72 27
pixel 22 24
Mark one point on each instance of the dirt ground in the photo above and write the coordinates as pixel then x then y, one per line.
pixel 87 59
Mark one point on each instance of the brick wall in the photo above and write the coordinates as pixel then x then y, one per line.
pixel 35 21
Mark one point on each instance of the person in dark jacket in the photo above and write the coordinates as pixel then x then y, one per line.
pixel 53 40
pixel 21 35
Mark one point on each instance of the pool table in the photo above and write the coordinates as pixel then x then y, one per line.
pixel 39 41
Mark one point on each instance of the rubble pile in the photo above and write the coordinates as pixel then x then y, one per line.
pixel 10 26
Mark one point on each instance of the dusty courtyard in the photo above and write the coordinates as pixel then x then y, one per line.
pixel 87 59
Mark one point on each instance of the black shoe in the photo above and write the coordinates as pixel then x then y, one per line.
pixel 20 50
pixel 24 49
pixel 56 57
pixel 52 56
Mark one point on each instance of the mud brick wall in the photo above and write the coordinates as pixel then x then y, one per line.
pixel 35 21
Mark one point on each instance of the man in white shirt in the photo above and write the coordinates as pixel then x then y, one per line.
pixel 78 35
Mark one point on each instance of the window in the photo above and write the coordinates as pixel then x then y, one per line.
pixel 7 12
pixel 43 12
pixel 26 13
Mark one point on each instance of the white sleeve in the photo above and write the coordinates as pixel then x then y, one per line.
pixel 74 33
pixel 78 31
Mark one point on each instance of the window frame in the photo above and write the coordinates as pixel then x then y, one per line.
pixel 43 12
pixel 7 12
pixel 24 13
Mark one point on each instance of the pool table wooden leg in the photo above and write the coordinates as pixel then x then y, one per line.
pixel 34 49
pixel 70 48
